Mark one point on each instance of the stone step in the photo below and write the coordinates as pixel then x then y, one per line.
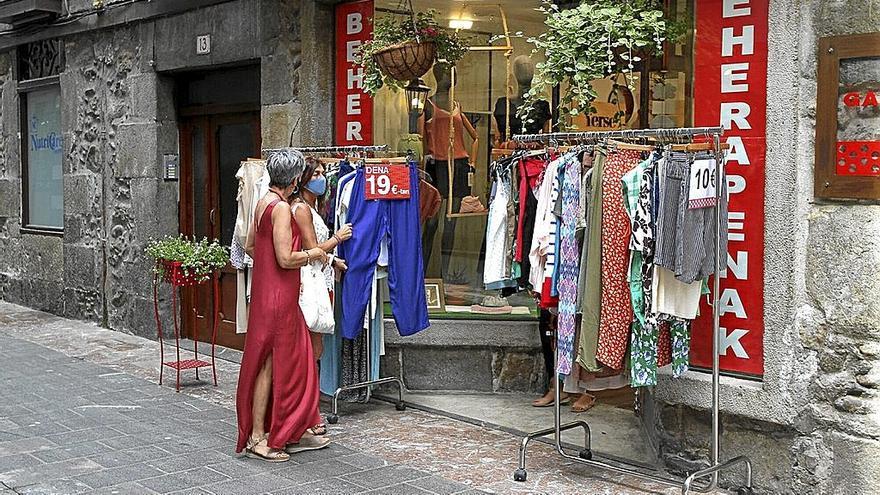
pixel 467 355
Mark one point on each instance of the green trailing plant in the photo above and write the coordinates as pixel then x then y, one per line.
pixel 394 29
pixel 198 258
pixel 593 40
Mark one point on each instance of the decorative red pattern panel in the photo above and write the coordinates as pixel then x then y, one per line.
pixel 858 158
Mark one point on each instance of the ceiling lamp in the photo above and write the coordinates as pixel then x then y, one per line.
pixel 461 23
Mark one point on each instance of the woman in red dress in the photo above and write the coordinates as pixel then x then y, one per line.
pixel 277 397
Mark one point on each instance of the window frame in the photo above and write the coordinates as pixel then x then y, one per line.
pixel 24 89
pixel 827 184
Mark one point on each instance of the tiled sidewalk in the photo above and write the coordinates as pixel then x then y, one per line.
pixel 80 412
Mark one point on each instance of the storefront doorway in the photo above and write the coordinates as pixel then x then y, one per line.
pixel 219 127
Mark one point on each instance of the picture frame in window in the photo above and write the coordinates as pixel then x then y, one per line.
pixel 434 295
pixel 847 155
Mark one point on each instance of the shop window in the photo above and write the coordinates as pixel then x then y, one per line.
pixel 656 95
pixel 41 136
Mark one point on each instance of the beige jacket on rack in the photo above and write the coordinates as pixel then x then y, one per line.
pixel 253 184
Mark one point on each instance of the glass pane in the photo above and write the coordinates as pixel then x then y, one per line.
pixel 858 118
pixel 235 142
pixel 200 183
pixel 45 187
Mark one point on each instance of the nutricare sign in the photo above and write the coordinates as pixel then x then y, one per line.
pixel 354 108
pixel 730 86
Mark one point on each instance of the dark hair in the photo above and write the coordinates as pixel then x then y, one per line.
pixel 311 164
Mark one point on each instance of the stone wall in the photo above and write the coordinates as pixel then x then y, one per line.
pixel 118 119
pixel 811 427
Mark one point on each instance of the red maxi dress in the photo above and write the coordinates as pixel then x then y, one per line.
pixel 276 326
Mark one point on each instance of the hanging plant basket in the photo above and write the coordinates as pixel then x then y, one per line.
pixel 404 48
pixel 407 60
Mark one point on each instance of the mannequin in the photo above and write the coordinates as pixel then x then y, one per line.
pixel 523 72
pixel 434 128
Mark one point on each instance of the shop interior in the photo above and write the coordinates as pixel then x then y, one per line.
pixel 454 246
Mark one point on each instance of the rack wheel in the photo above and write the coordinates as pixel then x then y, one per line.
pixel 519 475
pixel 586 454
pixel 400 406
pixel 332 419
pixel 744 490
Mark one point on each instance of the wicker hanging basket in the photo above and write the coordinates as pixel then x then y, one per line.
pixel 407 60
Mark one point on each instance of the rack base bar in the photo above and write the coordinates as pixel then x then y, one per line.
pixel 747 488
pixel 333 417
pixel 585 456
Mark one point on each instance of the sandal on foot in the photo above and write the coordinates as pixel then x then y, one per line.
pixel 307 442
pixel 583 404
pixel 259 449
pixel 548 399
pixel 318 430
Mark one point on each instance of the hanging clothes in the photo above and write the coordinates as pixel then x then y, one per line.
pixel 569 263
pixel 398 220
pixel 497 265
pixel 644 336
pixel 591 295
pixel 429 201
pixel 543 245
pixel 253 184
pixel 345 360
pixel 616 311
pixel 686 236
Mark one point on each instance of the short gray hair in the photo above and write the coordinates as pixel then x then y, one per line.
pixel 284 167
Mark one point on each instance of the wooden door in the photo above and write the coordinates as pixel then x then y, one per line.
pixel 211 148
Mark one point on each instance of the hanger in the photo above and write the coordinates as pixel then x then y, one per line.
pixel 630 146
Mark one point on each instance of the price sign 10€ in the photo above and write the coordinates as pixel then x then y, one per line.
pixel 387 182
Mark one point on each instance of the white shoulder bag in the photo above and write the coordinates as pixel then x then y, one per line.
pixel 314 300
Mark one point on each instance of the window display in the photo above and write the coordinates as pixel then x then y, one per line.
pixel 467 119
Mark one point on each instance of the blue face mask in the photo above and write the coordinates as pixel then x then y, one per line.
pixel 318 185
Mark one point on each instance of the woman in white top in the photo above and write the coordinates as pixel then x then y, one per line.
pixel 311 194
pixel 305 207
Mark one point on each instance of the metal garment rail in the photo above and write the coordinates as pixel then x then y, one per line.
pixel 585 456
pixel 331 149
pixel 333 417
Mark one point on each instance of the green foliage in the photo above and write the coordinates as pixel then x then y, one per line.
pixel 391 30
pixel 197 258
pixel 591 41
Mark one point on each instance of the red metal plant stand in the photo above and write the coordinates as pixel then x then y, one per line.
pixel 175 276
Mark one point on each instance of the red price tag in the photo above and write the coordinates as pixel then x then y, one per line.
pixel 386 181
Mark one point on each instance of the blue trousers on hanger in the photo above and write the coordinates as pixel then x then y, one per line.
pixel 372 221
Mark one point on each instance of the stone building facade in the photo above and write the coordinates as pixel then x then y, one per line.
pixel 811 426
pixel 118 119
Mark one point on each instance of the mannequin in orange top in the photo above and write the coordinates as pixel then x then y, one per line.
pixel 434 128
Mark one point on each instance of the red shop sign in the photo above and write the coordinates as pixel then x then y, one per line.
pixel 354 109
pixel 386 182
pixel 730 88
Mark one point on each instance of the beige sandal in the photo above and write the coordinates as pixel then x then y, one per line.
pixel 307 442
pixel 588 402
pixel 258 448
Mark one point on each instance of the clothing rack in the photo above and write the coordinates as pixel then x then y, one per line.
pixel 585 456
pixel 333 417
pixel 332 149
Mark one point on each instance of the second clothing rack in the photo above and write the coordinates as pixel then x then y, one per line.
pixel 585 456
